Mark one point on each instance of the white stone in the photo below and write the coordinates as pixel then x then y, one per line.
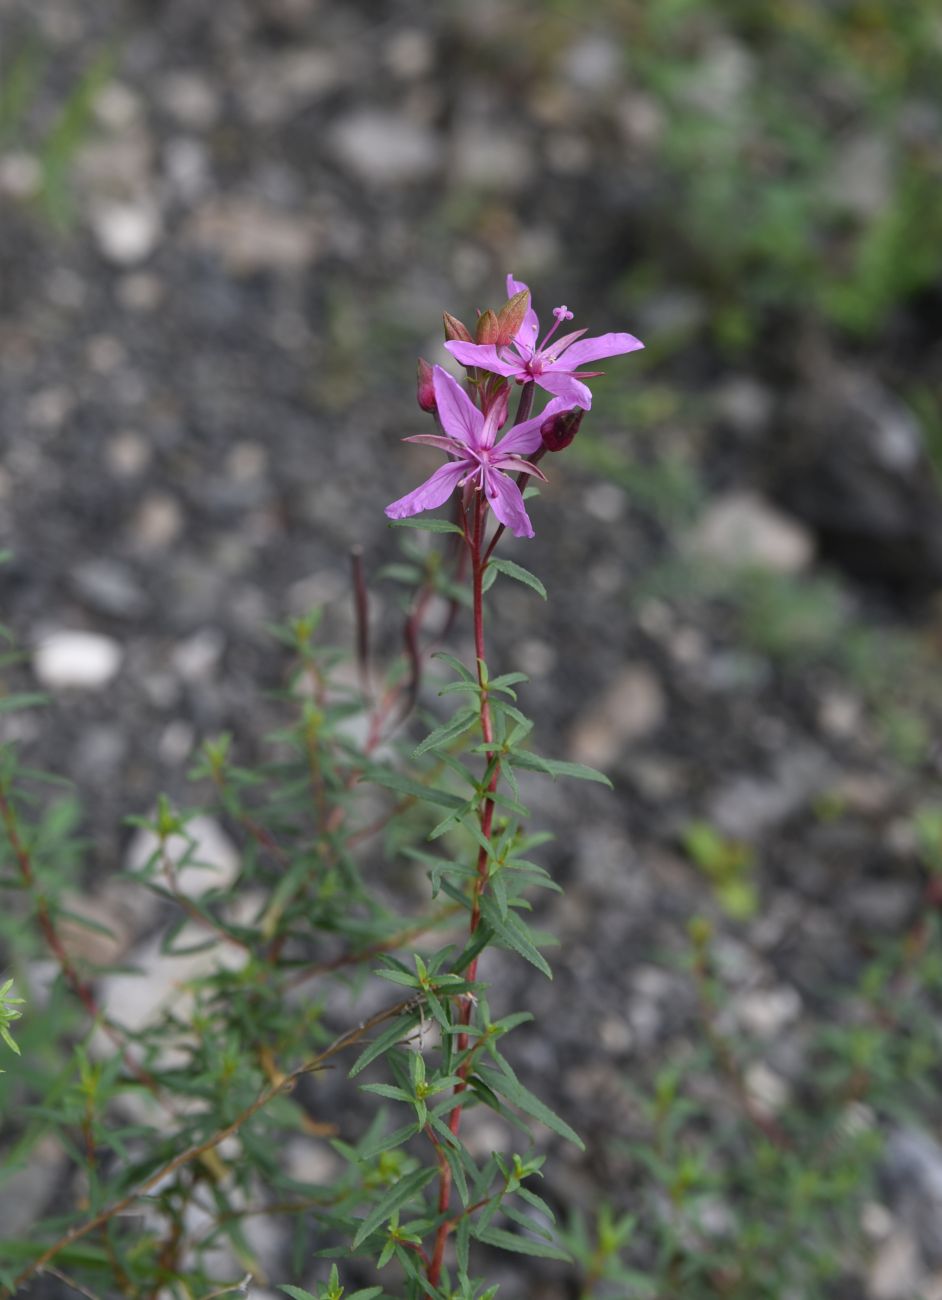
pixel 385 148
pixel 126 232
pixel 202 858
pixel 768 1091
pixel 85 661
pixel 250 235
pixel 765 1013
pixel 741 528
pixel 896 1272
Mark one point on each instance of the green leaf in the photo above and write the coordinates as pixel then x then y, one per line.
pixel 519 574
pixel 513 934
pixel 449 731
pixel 555 767
pixel 461 669
pixel 401 1192
pixel 386 1142
pixel 296 1292
pixel 428 525
pixel 403 785
pixel 506 1083
pixel 12 703
pixel 522 1245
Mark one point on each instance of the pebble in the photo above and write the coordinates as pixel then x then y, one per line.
pixel 631 709
pixel 768 1091
pixel 765 1013
pixel 489 158
pixel 127 454
pixel 385 148
pixel 741 528
pixel 250 235
pixel 197 657
pixel 158 522
pixel 109 587
pixel 895 1272
pixel 127 233
pixel 74 660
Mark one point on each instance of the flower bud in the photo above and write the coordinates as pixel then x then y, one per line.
pixel 424 388
pixel 455 330
pixel 511 317
pixel 488 328
pixel 559 430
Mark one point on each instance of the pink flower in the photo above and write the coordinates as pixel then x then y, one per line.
pixel 554 363
pixel 478 460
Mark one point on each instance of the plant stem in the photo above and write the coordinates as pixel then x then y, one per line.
pixel 486 813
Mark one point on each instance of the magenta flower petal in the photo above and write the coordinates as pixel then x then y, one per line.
pixel 605 345
pixel 559 382
pixel 458 414
pixel 526 437
pixel 433 492
pixel 516 465
pixel 506 501
pixel 484 355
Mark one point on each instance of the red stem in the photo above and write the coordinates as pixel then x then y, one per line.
pixel 478 567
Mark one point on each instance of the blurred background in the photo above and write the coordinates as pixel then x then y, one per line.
pixel 226 232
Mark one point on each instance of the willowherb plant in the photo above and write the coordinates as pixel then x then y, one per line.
pixel 176 1132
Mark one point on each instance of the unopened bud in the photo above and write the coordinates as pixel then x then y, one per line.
pixel 559 430
pixel 511 317
pixel 424 387
pixel 455 330
pixel 488 328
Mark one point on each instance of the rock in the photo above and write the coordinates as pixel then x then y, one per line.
pixel 749 805
pixel 744 405
pixel 490 157
pixel 861 179
pixel 72 660
pixel 196 658
pixel 385 148
pixel 766 1012
pixel 895 1272
pixel 847 458
pixel 740 529
pixel 203 857
pixel 109 587
pixel 912 1173
pixel 632 708
pixel 158 522
pixel 127 454
pixel 25 1191
pixel 768 1091
pixel 593 64
pixel 127 232
pixel 250 235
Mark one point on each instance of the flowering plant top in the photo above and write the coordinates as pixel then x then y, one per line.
pixel 505 348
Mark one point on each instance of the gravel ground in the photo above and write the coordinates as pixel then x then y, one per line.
pixel 204 379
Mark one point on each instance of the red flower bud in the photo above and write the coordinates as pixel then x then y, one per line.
pixel 488 329
pixel 511 317
pixel 424 388
pixel 455 329
pixel 559 430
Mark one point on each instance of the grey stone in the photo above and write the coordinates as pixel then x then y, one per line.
pixel 385 148
pixel 740 529
pixel 749 805
pixel 109 587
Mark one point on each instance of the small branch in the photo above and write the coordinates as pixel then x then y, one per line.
pixel 362 614
pixel 199 1149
